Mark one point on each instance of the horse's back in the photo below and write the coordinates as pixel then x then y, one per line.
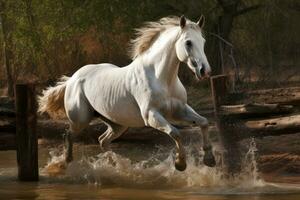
pixel 88 70
pixel 102 88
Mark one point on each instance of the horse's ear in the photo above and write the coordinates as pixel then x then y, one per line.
pixel 182 21
pixel 201 21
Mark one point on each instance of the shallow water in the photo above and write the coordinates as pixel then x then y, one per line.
pixel 136 172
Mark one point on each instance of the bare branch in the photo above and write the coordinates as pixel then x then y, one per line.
pixel 220 38
pixel 248 9
pixel 227 3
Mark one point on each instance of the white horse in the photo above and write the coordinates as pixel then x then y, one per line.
pixel 147 92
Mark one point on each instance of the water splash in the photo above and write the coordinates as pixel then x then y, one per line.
pixel 249 166
pixel 249 176
pixel 156 172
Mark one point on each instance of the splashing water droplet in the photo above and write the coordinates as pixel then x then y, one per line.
pixel 158 171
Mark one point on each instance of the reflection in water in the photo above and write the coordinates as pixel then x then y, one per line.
pixel 119 176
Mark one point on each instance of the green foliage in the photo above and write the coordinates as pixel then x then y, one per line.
pixel 50 37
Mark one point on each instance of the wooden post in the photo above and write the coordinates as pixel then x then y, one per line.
pixel 27 151
pixel 228 137
pixel 219 90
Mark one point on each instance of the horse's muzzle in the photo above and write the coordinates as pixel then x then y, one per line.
pixel 201 73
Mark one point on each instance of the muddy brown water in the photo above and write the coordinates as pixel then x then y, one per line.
pixel 136 172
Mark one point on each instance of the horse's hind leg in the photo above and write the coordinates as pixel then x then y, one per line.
pixel 68 146
pixel 113 132
pixel 79 113
pixel 68 139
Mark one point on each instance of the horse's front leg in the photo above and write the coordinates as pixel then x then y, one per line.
pixel 156 120
pixel 188 115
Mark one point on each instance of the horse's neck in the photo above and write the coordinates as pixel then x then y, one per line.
pixel 162 56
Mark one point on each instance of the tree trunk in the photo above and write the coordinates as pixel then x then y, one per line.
pixel 223 28
pixel 6 51
pixel 35 39
pixel 37 55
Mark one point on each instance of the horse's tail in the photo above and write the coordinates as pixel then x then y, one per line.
pixel 52 99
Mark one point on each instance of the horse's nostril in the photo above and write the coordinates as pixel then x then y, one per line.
pixel 202 71
pixel 194 63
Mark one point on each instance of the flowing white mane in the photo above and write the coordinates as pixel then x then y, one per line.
pixel 146 35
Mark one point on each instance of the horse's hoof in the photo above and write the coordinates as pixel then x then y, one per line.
pixel 209 159
pixel 180 166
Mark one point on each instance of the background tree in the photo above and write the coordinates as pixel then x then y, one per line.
pixel 6 41
pixel 44 39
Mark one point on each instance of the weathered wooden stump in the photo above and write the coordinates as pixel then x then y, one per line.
pixel 229 138
pixel 27 148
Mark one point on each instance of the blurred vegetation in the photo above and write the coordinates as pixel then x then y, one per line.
pixel 43 39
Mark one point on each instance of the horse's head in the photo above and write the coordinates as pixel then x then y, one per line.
pixel 190 47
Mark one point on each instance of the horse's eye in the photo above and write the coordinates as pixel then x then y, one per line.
pixel 188 43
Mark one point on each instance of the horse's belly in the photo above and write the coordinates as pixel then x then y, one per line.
pixel 124 112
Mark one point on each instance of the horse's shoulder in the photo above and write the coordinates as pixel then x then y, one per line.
pixel 179 91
